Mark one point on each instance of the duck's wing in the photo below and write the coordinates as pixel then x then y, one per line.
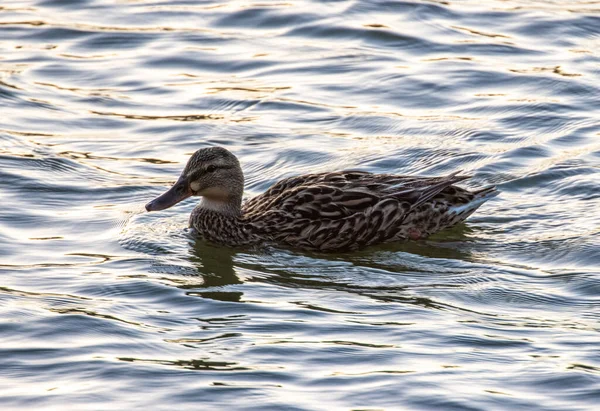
pixel 337 179
pixel 420 191
pixel 352 191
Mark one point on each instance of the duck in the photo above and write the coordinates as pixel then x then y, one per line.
pixel 324 212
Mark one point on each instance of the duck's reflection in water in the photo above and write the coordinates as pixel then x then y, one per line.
pixel 215 265
pixel 221 268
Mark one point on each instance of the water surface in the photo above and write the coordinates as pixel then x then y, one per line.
pixel 103 306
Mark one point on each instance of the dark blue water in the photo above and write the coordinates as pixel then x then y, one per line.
pixel 103 306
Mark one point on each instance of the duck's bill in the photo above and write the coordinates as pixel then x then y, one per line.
pixel 179 192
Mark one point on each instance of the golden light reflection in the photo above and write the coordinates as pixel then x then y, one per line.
pixel 94 286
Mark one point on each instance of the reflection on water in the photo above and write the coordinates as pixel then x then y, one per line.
pixel 101 303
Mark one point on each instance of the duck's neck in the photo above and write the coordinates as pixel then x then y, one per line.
pixel 220 222
pixel 230 208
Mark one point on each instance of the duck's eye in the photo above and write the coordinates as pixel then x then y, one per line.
pixel 211 168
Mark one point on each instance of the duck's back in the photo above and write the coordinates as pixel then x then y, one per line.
pixel 351 209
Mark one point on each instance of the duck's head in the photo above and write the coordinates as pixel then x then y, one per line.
pixel 213 173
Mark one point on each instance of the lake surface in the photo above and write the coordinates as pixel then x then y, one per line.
pixel 104 306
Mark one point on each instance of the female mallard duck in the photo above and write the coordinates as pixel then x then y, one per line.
pixel 337 211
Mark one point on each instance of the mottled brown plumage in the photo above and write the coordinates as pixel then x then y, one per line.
pixel 337 211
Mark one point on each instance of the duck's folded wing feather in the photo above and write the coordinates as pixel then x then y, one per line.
pixel 420 194
pixel 342 179
pixel 317 201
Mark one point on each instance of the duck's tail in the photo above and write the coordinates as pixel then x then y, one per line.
pixel 480 197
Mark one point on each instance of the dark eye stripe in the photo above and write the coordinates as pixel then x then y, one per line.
pixel 215 167
pixel 210 169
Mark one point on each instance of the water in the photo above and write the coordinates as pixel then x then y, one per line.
pixel 103 306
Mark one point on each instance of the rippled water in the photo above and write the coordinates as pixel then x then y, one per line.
pixel 103 306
